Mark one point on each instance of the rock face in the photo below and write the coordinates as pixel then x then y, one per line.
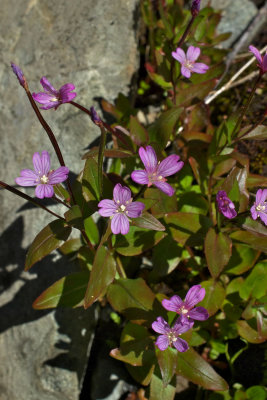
pixel 236 16
pixel 92 44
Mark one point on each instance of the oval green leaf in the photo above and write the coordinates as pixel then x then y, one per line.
pixel 218 250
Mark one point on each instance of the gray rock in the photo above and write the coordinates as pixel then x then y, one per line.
pixel 94 45
pixel 236 16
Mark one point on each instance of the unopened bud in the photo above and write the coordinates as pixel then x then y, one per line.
pixel 195 7
pixel 95 117
pixel 19 74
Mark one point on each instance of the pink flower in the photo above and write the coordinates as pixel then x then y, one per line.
pixel 259 208
pixel 42 177
pixel 186 308
pixel 52 98
pixel 188 61
pixel 19 74
pixel 155 172
pixel 120 209
pixel 262 60
pixel 225 205
pixel 170 336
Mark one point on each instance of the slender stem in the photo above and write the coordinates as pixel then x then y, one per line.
pixel 181 41
pixel 100 159
pixel 50 134
pixel 245 107
pixel 120 268
pixel 250 129
pixel 60 201
pixel 26 197
pixel 91 247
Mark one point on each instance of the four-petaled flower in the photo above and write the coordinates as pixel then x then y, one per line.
pixel 42 177
pixel 186 308
pixel 225 205
pixel 120 209
pixel 188 61
pixel 259 208
pixel 170 336
pixel 52 98
pixel 262 60
pixel 155 172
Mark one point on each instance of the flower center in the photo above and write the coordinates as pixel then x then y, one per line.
pixel 189 64
pixel 44 179
pixel 156 178
pixel 261 207
pixel 172 337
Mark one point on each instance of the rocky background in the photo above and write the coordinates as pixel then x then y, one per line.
pixel 93 44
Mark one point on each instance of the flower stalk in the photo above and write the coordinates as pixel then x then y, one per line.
pixel 101 159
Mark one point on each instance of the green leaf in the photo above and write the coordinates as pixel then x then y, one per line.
pixel 91 230
pixel 49 239
pixel 255 284
pixel 195 93
pixel 165 258
pixel 162 129
pixel 68 291
pixel 256 180
pixel 142 374
pixel 61 192
pixel 256 241
pixel 259 133
pixel 188 228
pixel 137 241
pixel 90 185
pixel 71 246
pixel 243 258
pixel 74 217
pixel 162 203
pixel 110 153
pixel 138 133
pixel 158 391
pixel 133 298
pixel 167 360
pixel 256 393
pixel 193 202
pixel 215 295
pixel 147 221
pixel 194 368
pixel 218 250
pixel 102 274
pixel 248 333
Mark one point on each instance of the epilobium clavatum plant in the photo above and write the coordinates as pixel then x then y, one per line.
pixel 145 242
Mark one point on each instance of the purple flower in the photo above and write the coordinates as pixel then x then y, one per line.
pixel 120 209
pixel 19 74
pixel 195 7
pixel 42 177
pixel 188 61
pixel 262 60
pixel 259 208
pixel 225 205
pixel 95 117
pixel 186 308
pixel 52 98
pixel 155 172
pixel 170 336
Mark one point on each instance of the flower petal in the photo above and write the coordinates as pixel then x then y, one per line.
pixel 37 163
pixel 261 196
pixel 45 98
pixel 170 165
pixel 263 217
pixel 174 304
pixel 160 326
pixel 200 68
pixel 256 53
pixel 185 72
pixel 179 55
pixel 65 92
pixel 45 160
pixel 107 208
pixel 48 86
pixel 162 342
pixel 194 295
pixel 134 210
pixel 140 176
pixel 27 178
pixel 121 194
pixel 120 224
pixel 164 187
pixel 192 53
pixel 199 313
pixel 149 158
pixel 42 191
pixel 264 63
pixel 253 211
pixel 181 345
pixel 58 176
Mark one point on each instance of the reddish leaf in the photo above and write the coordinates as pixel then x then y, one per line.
pixel 147 221
pixel 162 129
pixel 49 239
pixel 248 333
pixel 162 203
pixel 218 250
pixel 111 153
pixel 167 360
pixel 255 240
pixel 102 274
pixel 158 391
pixel 138 133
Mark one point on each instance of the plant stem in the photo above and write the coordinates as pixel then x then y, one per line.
pixel 60 201
pixel 26 197
pixel 181 41
pixel 91 247
pixel 100 160
pixel 245 107
pixel 50 134
pixel 120 268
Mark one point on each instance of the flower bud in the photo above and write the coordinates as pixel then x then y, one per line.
pixel 195 7
pixel 19 74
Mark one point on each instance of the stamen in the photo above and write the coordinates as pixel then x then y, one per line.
pixel 44 179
